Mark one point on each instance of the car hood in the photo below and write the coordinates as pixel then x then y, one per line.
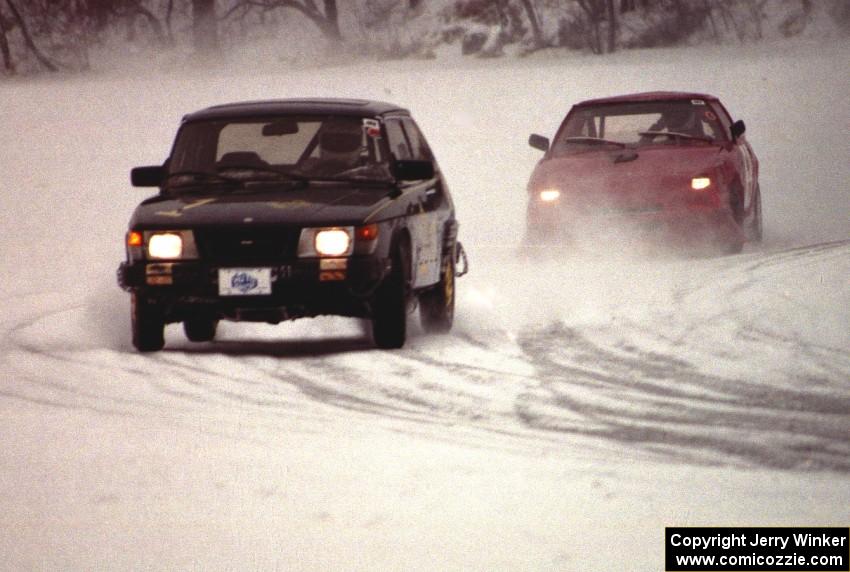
pixel 316 205
pixel 648 174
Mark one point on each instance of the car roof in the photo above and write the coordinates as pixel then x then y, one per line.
pixel 318 106
pixel 649 96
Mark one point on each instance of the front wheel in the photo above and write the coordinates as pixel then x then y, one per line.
pixel 200 329
pixel 437 305
pixel 732 247
pixel 735 244
pixel 756 230
pixel 148 327
pixel 389 305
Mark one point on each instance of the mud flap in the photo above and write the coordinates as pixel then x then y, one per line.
pixel 460 257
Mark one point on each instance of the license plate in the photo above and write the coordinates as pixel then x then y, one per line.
pixel 244 281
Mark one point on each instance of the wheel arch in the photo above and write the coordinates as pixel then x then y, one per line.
pixel 737 197
pixel 401 239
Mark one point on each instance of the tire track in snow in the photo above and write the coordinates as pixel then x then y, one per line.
pixel 633 387
pixel 656 400
pixel 659 404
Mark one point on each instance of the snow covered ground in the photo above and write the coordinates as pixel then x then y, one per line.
pixel 579 406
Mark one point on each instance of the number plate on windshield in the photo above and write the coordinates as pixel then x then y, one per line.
pixel 244 281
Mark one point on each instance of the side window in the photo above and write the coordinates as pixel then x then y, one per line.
pixel 711 126
pixel 397 140
pixel 419 147
pixel 725 121
pixel 195 147
pixel 582 124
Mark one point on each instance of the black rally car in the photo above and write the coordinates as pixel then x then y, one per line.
pixel 275 210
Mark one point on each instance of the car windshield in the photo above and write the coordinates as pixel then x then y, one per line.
pixel 232 152
pixel 682 122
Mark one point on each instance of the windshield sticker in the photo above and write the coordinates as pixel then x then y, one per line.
pixel 710 115
pixel 179 212
pixel 372 127
pixel 697 102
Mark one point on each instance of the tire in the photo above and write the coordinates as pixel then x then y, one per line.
pixel 733 247
pixel 389 304
pixel 148 327
pixel 437 305
pixel 200 329
pixel 756 230
pixel 736 204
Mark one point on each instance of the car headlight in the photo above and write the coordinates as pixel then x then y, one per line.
pixel 170 245
pixel 334 241
pixel 700 183
pixel 549 195
pixel 165 246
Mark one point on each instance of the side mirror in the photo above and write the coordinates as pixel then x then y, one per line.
pixel 738 129
pixel 147 176
pixel 410 170
pixel 539 142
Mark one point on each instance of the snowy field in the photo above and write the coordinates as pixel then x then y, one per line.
pixel 579 406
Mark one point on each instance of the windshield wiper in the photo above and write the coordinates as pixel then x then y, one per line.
pixel 264 169
pixel 204 176
pixel 594 141
pixel 355 179
pixel 676 134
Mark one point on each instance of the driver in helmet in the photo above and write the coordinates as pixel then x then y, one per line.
pixel 340 148
pixel 680 119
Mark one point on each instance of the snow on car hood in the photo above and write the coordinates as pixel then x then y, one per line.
pixel 656 173
pixel 314 205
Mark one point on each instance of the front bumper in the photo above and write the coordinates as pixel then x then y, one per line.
pixel 298 289
pixel 685 226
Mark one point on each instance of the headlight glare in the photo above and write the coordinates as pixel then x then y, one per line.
pixel 165 245
pixel 332 242
pixel 549 195
pixel 700 183
pixel 329 241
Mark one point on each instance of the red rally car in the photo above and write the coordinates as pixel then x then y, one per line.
pixel 665 162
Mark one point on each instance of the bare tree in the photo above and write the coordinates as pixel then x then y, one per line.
pixel 612 26
pixel 631 5
pixel 534 23
pixel 28 41
pixel 135 8
pixel 602 16
pixel 204 27
pixel 169 11
pixel 8 63
pixel 326 19
pixel 757 15
pixel 745 18
pixel 332 19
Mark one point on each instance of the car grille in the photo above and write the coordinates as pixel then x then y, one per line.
pixel 247 245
